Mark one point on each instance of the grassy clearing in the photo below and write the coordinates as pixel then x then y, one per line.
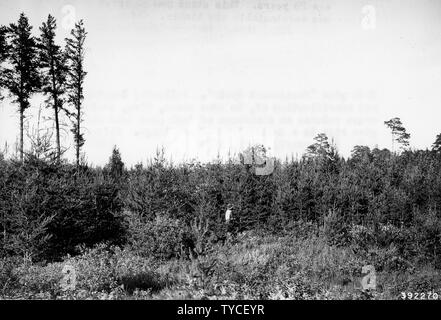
pixel 251 266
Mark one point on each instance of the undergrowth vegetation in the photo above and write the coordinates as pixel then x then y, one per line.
pixel 157 231
pixel 250 266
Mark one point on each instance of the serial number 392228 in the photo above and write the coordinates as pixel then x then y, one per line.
pixel 419 295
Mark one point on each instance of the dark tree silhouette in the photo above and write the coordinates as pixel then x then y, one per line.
pixel 54 71
pixel 399 133
pixel 76 74
pixel 115 166
pixel 436 146
pixel 3 56
pixel 21 77
pixel 320 147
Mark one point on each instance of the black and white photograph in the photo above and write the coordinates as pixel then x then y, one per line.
pixel 226 150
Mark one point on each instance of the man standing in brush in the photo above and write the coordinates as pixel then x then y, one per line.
pixel 228 220
pixel 228 214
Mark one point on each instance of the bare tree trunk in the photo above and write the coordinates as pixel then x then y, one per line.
pixel 21 132
pixel 78 136
pixel 392 143
pixel 57 123
pixel 57 129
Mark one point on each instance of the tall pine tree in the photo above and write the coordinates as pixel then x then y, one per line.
pixel 3 55
pixel 21 76
pixel 54 72
pixel 398 132
pixel 75 80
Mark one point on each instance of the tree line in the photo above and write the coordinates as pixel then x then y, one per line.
pixel 32 65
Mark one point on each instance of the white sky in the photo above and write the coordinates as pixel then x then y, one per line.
pixel 202 77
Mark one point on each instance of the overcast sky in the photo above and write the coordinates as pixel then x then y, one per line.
pixel 202 77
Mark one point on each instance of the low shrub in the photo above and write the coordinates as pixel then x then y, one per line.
pixel 146 280
pixel 162 238
pixel 9 279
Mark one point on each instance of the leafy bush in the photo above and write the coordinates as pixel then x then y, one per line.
pixel 9 279
pixel 35 280
pixel 162 238
pixel 361 236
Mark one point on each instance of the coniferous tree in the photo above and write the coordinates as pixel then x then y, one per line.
pixel 116 165
pixel 76 74
pixel 254 197
pixel 3 56
pixel 324 153
pixel 436 146
pixel 54 71
pixel 320 148
pixel 21 77
pixel 398 131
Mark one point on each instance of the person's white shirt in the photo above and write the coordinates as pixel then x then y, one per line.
pixel 228 215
